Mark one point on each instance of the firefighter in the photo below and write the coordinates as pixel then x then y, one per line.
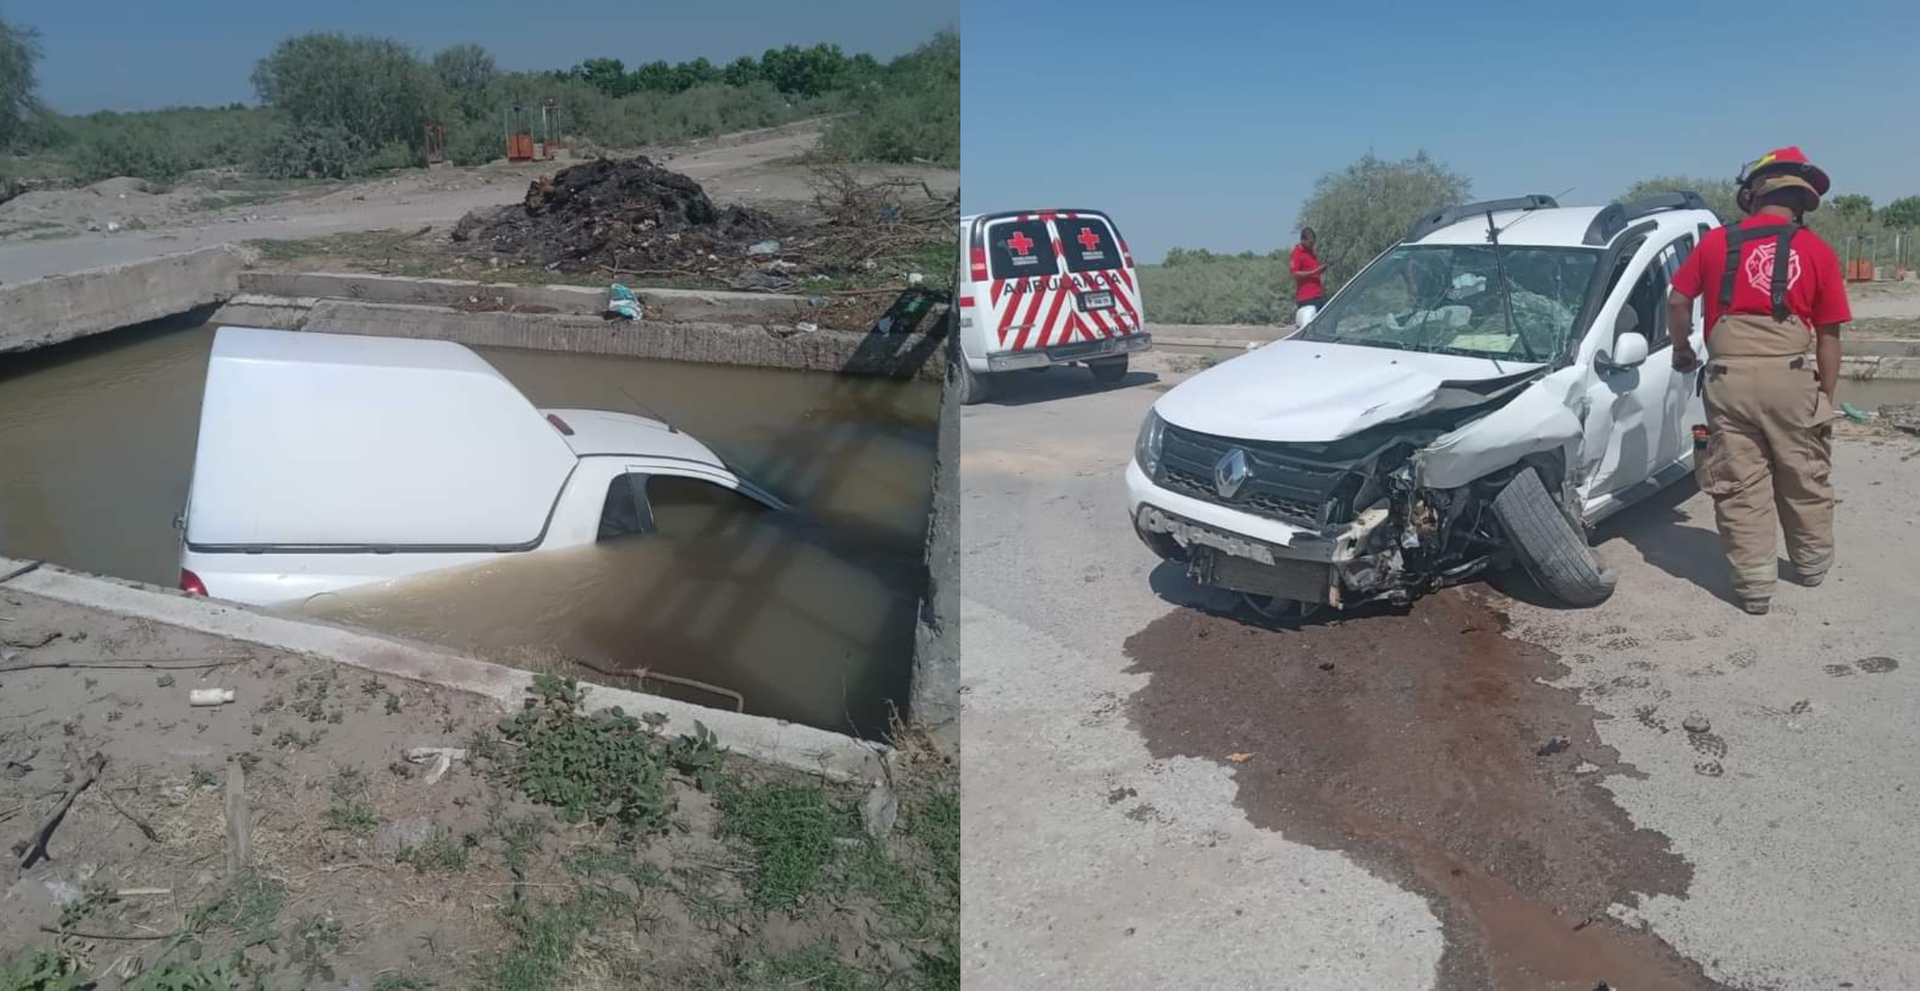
pixel 1774 303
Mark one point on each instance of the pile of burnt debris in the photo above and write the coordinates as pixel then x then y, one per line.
pixel 634 219
pixel 619 218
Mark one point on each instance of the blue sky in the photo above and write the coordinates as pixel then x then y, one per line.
pixel 1206 124
pixel 142 54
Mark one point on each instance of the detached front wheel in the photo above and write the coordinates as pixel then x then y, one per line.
pixel 1552 550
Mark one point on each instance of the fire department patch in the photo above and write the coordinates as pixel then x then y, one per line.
pixel 1759 267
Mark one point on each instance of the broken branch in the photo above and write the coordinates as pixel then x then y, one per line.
pixel 31 851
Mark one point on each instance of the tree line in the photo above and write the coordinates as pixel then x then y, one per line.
pixel 1363 209
pixel 336 106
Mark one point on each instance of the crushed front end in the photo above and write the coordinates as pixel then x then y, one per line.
pixel 1326 524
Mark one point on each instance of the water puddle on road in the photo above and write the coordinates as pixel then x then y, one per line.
pixel 807 616
pixel 1425 746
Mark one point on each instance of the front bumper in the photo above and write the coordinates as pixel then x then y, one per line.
pixel 1231 549
pixel 1066 354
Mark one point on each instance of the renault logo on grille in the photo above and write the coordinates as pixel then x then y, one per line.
pixel 1230 472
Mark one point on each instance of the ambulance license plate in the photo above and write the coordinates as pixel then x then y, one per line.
pixel 1097 301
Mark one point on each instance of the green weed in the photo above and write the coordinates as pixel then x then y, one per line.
pixel 792 829
pixel 604 767
pixel 445 854
pixel 44 968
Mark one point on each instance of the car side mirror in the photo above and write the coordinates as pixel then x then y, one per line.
pixel 1629 351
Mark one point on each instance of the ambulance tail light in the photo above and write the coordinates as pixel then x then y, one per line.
pixel 978 264
pixel 191 584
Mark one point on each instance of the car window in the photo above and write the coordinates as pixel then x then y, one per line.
pixel 1020 248
pixel 623 514
pixel 1089 244
pixel 1649 296
pixel 682 506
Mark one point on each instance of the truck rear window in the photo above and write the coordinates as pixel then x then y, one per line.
pixel 1020 248
pixel 1089 243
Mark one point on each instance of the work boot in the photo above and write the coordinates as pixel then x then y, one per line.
pixel 1756 607
pixel 1807 579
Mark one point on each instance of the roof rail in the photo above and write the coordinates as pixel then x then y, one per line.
pixel 1454 214
pixel 1606 225
pixel 1685 199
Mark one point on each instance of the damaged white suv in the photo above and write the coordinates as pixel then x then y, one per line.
pixel 1477 396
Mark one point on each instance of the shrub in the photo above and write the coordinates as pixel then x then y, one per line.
pixel 909 111
pixel 1363 209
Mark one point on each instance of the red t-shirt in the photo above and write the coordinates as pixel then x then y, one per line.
pixel 1815 292
pixel 1310 287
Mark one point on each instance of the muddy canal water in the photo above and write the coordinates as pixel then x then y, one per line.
pixel 807 616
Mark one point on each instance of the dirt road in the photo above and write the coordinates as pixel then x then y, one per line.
pixel 756 168
pixel 1479 793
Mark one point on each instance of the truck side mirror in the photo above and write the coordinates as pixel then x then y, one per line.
pixel 1629 351
pixel 1629 344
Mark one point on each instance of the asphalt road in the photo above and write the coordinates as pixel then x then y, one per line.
pixel 1480 792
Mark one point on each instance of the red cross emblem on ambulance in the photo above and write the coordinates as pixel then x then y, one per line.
pixel 1088 239
pixel 1020 242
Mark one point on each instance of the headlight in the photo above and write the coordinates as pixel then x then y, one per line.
pixel 1146 449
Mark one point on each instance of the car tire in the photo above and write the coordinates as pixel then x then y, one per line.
pixel 1553 551
pixel 1108 370
pixel 973 385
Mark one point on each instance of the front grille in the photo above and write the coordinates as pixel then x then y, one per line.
pixel 1285 482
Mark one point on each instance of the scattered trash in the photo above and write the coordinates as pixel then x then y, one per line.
pixel 805 327
pixel 1853 414
pixel 915 278
pixel 17 770
pixel 880 810
pixel 1553 746
pixel 1239 758
pixel 209 696
pixel 1695 723
pixel 755 281
pixel 441 758
pixel 1585 767
pixel 113 226
pixel 621 302
pixel 768 247
pixel 164 681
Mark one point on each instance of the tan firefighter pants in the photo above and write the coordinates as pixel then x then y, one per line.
pixel 1769 453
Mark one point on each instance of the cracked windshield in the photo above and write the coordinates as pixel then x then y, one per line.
pixel 1448 299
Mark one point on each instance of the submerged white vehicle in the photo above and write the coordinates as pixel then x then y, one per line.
pixel 1477 395
pixel 328 461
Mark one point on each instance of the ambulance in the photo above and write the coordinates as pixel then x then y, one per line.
pixel 1046 288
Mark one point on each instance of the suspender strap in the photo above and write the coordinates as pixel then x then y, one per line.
pixel 1782 258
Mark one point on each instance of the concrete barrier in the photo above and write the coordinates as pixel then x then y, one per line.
pixel 760 738
pixel 934 692
pixel 893 355
pixel 67 307
pixel 662 305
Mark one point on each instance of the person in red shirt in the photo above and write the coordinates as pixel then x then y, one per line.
pixel 1309 294
pixel 1774 301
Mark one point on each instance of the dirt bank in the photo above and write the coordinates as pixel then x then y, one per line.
pixel 359 872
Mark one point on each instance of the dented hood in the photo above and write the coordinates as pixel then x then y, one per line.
pixel 1311 392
